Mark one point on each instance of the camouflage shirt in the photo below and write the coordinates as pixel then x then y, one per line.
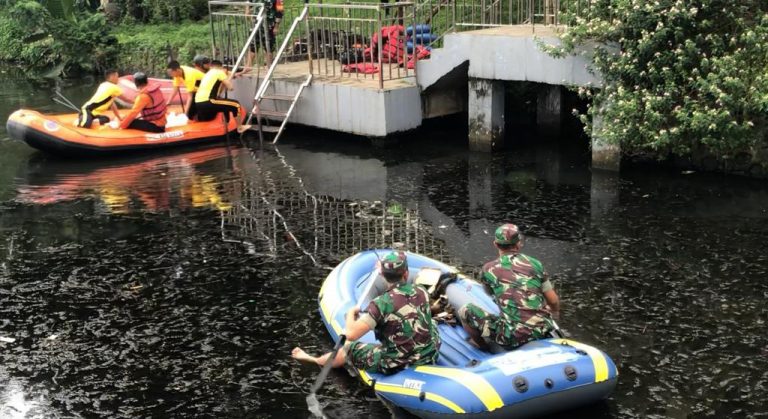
pixel 518 283
pixel 403 324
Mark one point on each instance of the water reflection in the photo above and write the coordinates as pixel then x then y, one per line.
pixel 160 184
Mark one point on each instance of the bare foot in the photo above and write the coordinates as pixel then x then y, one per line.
pixel 243 128
pixel 301 356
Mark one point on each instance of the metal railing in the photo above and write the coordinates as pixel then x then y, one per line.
pixel 236 28
pixel 447 16
pixel 356 40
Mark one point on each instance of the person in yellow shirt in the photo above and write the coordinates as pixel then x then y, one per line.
pixel 190 78
pixel 207 96
pixel 103 99
pixel 149 104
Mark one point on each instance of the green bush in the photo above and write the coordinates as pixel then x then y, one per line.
pixel 686 76
pixel 157 11
pixel 32 37
pixel 145 47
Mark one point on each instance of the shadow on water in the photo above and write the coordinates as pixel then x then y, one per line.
pixel 177 284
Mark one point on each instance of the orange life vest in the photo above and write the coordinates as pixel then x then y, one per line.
pixel 158 108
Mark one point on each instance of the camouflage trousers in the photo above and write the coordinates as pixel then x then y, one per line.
pixel 372 358
pixel 493 328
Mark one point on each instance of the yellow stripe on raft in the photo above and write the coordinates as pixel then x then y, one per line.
pixel 327 313
pixel 389 388
pixel 476 384
pixel 598 359
pixel 366 378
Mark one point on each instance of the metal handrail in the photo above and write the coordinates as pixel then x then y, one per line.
pixel 268 76
pixel 260 18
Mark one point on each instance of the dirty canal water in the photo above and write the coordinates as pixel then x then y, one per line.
pixel 175 285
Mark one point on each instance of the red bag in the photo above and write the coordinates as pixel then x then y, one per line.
pixel 363 68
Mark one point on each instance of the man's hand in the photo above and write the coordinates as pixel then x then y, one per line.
pixel 352 314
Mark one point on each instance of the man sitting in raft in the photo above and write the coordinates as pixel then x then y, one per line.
pixel 521 289
pixel 402 322
pixel 103 99
pixel 188 77
pixel 150 104
pixel 201 63
pixel 206 98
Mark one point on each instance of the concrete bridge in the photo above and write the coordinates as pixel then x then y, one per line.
pixel 466 71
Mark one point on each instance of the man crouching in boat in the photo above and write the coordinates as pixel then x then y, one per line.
pixel 150 104
pixel 521 289
pixel 103 99
pixel 402 322
pixel 207 96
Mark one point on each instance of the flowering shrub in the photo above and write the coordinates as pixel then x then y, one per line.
pixel 679 75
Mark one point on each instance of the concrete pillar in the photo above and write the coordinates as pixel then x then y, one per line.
pixel 549 109
pixel 605 156
pixel 486 114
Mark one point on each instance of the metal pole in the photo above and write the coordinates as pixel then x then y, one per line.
pixel 309 35
pixel 415 57
pixel 380 46
pixel 213 31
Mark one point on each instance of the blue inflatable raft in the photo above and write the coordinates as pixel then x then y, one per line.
pixel 538 378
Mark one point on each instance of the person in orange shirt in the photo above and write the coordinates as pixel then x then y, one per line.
pixel 150 105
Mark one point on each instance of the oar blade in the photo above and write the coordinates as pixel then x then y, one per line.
pixel 314 405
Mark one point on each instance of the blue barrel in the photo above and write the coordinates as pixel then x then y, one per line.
pixel 425 38
pixel 420 28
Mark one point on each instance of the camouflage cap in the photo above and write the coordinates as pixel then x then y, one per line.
pixel 395 263
pixel 507 235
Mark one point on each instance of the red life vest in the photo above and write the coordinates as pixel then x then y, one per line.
pixel 158 108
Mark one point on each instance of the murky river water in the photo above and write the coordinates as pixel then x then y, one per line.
pixel 175 285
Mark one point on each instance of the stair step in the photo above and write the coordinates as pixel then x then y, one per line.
pixel 278 97
pixel 272 114
pixel 265 128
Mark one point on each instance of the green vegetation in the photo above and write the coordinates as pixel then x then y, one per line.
pixel 682 77
pixel 30 35
pixel 68 37
pixel 146 47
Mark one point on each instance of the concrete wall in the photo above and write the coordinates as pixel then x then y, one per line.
pixel 510 58
pixel 344 107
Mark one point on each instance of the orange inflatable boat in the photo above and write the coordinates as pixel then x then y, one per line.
pixel 58 134
pixel 130 91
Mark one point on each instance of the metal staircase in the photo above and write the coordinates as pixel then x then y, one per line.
pixel 279 100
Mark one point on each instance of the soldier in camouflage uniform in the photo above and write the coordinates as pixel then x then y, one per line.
pixel 521 289
pixel 401 320
pixel 273 10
